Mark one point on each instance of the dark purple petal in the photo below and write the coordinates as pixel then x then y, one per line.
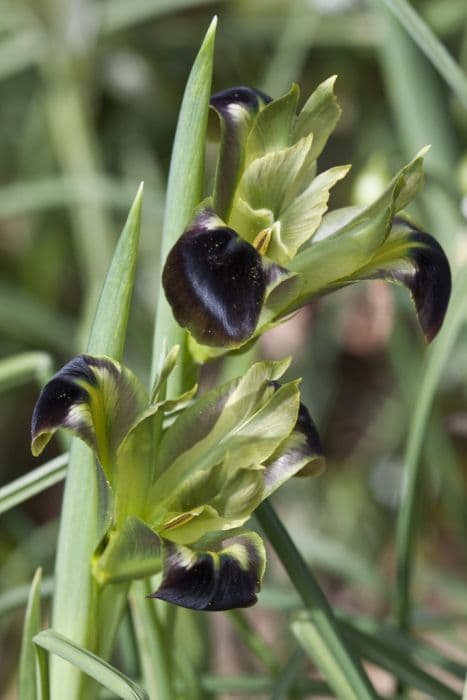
pixel 62 403
pixel 96 398
pixel 215 283
pixel 228 102
pixel 237 108
pixel 428 278
pixel 202 580
pixel 300 454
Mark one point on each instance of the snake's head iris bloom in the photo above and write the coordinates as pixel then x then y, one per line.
pixel 181 508
pixel 264 244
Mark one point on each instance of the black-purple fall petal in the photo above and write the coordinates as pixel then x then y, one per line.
pixel 301 454
pixel 96 398
pixel 237 108
pixel 428 278
pixel 215 283
pixel 212 581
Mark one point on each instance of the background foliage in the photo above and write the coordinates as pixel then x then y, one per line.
pixel 90 95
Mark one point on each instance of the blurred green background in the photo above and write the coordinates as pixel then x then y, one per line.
pixel 90 91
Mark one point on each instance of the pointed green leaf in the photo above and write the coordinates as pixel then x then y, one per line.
pixel 32 623
pixel 108 332
pixel 90 664
pixel 132 552
pixel 80 524
pixel 167 366
pixel 184 192
pixel 299 221
pixel 213 580
pixel 319 116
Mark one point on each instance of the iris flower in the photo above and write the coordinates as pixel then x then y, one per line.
pixel 180 508
pixel 264 244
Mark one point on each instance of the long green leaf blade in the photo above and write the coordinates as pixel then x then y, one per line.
pixel 33 482
pixel 431 47
pixel 406 523
pixel 184 191
pixel 334 665
pixel 24 367
pixel 152 650
pixel 73 600
pixel 91 665
pixel 322 637
pixel 32 625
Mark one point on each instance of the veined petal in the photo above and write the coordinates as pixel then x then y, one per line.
pixel 274 125
pixel 216 282
pixel 300 454
pixel 406 256
pixel 95 398
pixel 237 108
pixel 213 580
pixel 319 116
pixel 242 422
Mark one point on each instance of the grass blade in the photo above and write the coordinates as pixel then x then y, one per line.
pixel 119 14
pixel 399 663
pixel 431 47
pixel 91 665
pixel 25 367
pixel 406 522
pixel 73 598
pixel 33 482
pixel 321 637
pixel 154 654
pixel 32 625
pixel 17 597
pixel 184 192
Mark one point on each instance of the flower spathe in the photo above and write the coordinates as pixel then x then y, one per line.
pixel 182 508
pixel 264 244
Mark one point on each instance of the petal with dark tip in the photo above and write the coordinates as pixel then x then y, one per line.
pixel 96 398
pixel 213 580
pixel 231 101
pixel 300 454
pixel 429 281
pixel 415 259
pixel 216 283
pixel 237 108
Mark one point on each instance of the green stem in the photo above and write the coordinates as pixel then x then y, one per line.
pixel 322 615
